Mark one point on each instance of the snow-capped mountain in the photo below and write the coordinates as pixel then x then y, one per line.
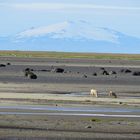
pixel 71 30
pixel 78 36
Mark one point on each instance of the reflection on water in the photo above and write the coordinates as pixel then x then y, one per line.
pixel 73 108
pixel 70 114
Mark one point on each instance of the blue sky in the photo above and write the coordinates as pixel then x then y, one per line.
pixel 121 15
pixel 19 15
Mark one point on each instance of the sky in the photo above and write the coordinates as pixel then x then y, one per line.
pixel 19 15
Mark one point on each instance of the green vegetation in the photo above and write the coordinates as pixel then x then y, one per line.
pixel 95 120
pixel 66 55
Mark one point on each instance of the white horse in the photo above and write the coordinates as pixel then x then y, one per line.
pixel 94 92
pixel 112 94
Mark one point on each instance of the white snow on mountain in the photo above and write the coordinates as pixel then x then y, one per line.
pixel 71 30
pixel 34 32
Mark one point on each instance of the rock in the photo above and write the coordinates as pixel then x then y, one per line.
pixel 58 70
pixel 8 63
pixel 125 71
pixel 88 126
pixel 85 76
pixel 128 71
pixel 112 72
pixel 102 68
pixel 120 103
pixel 94 74
pixel 27 70
pixel 105 72
pixel 136 73
pixel 2 65
pixel 33 76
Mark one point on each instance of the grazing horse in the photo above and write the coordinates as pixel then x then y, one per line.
pixel 112 94
pixel 94 92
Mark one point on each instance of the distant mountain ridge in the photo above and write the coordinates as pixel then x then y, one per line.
pixel 71 30
pixel 79 36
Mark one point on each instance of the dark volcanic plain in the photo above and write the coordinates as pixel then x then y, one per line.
pixel 22 113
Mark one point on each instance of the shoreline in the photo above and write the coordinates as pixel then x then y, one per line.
pixel 41 98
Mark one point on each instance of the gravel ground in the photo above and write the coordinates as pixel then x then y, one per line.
pixel 70 87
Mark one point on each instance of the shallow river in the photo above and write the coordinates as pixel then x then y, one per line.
pixel 71 111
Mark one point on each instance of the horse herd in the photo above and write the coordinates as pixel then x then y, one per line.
pixel 94 92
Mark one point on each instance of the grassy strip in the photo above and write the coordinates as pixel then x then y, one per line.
pixel 44 54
